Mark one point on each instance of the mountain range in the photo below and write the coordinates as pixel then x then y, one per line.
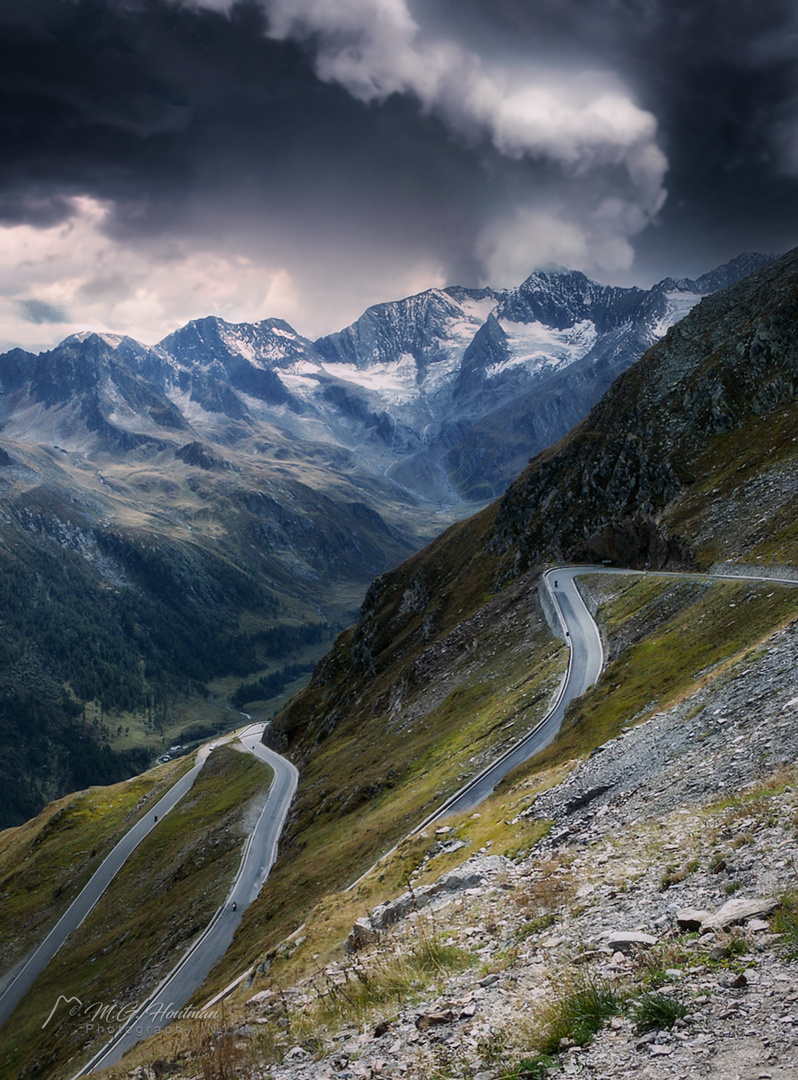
pixel 417 389
pixel 184 526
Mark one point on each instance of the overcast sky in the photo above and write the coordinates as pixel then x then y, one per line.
pixel 163 160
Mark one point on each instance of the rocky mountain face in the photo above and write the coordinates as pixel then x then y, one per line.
pixel 466 384
pixel 664 453
pixel 688 462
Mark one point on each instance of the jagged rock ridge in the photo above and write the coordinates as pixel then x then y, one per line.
pixel 610 491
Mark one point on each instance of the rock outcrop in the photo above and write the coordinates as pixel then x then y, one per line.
pixel 470 875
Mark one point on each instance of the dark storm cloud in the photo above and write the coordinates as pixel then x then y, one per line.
pixel 42 211
pixel 186 115
pixel 344 149
pixel 111 99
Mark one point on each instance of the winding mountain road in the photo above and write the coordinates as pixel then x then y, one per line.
pixel 260 851
pixel 193 968
pixel 586 659
pixel 585 663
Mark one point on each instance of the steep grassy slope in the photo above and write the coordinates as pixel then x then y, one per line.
pixel 662 460
pixel 435 680
pixel 46 862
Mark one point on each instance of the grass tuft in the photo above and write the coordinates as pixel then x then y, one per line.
pixel 653 1011
pixel 574 1017
pixel 536 1068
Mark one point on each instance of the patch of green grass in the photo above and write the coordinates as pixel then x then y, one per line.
pixel 436 957
pixel 755 800
pixel 737 946
pixel 665 957
pixel 537 925
pixel 652 1011
pixel 674 875
pixel 46 862
pixel 538 1067
pixel 784 921
pixel 574 1016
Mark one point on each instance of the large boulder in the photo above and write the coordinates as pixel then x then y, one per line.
pixel 739 910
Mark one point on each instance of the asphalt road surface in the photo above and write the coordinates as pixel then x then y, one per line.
pixel 584 667
pixel 191 971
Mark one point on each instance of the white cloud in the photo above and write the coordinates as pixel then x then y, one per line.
pixel 419 278
pixel 530 237
pixel 76 276
pixel 146 291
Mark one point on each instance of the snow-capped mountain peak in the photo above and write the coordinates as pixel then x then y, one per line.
pixel 448 391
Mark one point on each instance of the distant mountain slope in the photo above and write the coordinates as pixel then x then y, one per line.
pixel 146 574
